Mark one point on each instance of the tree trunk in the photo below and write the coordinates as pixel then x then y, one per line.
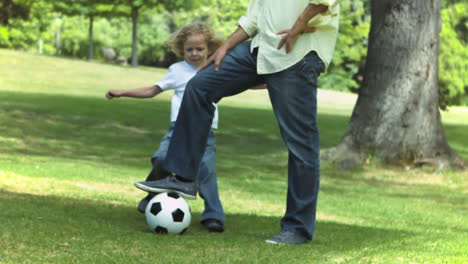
pixel 396 117
pixel 41 45
pixel 57 41
pixel 134 36
pixel 90 38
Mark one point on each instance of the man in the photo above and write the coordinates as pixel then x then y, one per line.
pixel 292 44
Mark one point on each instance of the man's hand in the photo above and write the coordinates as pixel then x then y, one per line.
pixel 237 37
pixel 216 58
pixel 300 26
pixel 291 36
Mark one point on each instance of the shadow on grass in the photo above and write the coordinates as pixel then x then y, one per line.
pixel 48 221
pixel 128 131
pixel 125 132
pixel 87 127
pixel 353 184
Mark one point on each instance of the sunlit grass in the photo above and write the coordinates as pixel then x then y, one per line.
pixel 68 158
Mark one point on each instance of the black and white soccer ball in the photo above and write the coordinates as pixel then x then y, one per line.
pixel 168 213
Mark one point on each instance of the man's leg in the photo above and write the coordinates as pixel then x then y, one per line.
pixel 293 97
pixel 237 73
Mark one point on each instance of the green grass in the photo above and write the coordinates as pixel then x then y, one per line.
pixel 68 158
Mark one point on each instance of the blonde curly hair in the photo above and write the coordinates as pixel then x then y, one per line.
pixel 178 38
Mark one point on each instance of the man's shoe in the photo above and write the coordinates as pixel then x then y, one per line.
pixel 287 237
pixel 213 225
pixel 144 202
pixel 187 190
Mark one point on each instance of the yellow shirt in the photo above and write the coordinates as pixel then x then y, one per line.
pixel 265 18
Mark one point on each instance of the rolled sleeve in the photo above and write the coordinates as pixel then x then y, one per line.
pixel 249 22
pixel 332 6
pixel 249 26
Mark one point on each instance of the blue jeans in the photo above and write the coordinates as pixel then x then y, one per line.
pixel 206 176
pixel 293 95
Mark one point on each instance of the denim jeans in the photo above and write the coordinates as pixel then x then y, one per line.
pixel 293 95
pixel 206 176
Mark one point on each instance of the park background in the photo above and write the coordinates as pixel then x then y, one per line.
pixel 62 28
pixel 68 156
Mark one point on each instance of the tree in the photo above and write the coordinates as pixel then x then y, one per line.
pixel 89 9
pixel 26 23
pixel 134 7
pixel 396 117
pixel 14 9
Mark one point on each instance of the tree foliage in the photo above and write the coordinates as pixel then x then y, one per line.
pixel 25 33
pixel 345 72
pixel 85 8
pixel 133 7
pixel 453 63
pixel 90 9
pixel 14 9
pixel 157 19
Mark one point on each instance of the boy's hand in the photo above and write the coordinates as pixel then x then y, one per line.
pixel 112 94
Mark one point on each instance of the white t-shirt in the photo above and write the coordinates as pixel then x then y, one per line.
pixel 177 77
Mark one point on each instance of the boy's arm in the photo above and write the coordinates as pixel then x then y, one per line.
pixel 300 26
pixel 145 92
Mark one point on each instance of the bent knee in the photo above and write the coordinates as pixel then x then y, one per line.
pixel 199 87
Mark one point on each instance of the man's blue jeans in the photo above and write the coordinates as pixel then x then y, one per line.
pixel 206 176
pixel 293 95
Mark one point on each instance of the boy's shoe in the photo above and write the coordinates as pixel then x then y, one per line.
pixel 144 202
pixel 287 237
pixel 213 225
pixel 187 190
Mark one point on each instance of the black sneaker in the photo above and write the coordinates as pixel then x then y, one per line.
pixel 287 237
pixel 144 202
pixel 213 225
pixel 187 190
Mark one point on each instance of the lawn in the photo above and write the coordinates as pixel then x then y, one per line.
pixel 68 158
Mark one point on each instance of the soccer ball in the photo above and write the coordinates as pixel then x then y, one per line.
pixel 168 213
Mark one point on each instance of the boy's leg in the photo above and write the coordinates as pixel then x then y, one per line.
pixel 208 186
pixel 293 97
pixel 157 171
pixel 237 73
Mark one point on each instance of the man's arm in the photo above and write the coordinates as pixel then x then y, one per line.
pixel 300 26
pixel 247 29
pixel 237 37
